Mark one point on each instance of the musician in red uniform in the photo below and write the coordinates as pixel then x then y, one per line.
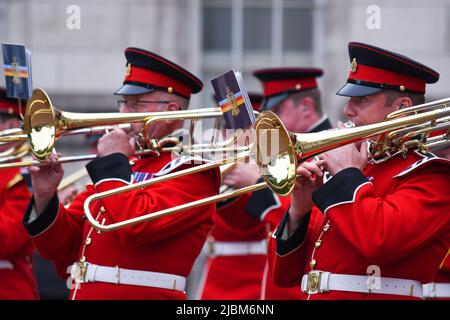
pixel 237 264
pixel 384 220
pixel 150 260
pixel 17 280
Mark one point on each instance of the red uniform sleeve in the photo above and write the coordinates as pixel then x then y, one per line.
pixel 267 206
pixel 384 229
pixel 13 235
pixel 287 255
pixel 57 231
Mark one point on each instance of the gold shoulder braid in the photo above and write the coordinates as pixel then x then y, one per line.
pixel 17 178
pixel 445 258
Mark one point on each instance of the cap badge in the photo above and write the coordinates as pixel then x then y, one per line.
pixel 298 86
pixel 353 65
pixel 169 89
pixel 128 72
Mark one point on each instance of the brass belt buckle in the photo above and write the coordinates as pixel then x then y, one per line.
pixel 80 272
pixel 313 282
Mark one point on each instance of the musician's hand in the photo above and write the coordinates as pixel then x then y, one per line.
pixel 45 180
pixel 242 175
pixel 116 141
pixel 347 156
pixel 309 178
pixel 350 155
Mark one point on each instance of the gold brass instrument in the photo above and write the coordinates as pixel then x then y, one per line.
pixel 43 124
pixel 159 214
pixel 12 135
pixel 278 151
pixel 14 153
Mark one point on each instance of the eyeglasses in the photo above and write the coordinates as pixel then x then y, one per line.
pixel 136 106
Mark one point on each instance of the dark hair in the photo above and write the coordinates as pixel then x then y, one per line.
pixel 7 116
pixel 392 95
pixel 314 94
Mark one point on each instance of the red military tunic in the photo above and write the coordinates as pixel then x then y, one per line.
pixel 167 245
pixel 443 274
pixel 395 216
pixel 17 280
pixel 241 276
pixel 249 218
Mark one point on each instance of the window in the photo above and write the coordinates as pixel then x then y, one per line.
pixel 216 29
pixel 257 29
pixel 297 29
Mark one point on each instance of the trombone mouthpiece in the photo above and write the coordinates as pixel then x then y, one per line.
pixel 349 124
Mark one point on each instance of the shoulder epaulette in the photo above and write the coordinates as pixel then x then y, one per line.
pixel 441 266
pixel 426 158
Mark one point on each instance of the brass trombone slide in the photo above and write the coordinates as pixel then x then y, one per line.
pixel 43 123
pixel 169 211
pixel 12 135
pixel 16 152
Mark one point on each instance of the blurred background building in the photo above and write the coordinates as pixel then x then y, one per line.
pixel 81 67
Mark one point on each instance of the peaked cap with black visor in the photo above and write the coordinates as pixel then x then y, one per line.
pixel 373 70
pixel 279 83
pixel 147 72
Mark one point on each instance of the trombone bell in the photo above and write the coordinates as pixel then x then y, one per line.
pixel 274 153
pixel 40 124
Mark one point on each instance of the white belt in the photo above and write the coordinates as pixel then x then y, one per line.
pixel 320 281
pixel 87 272
pixel 436 290
pixel 237 248
pixel 6 265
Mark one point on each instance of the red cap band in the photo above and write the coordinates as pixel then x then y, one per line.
pixel 279 86
pixel 9 107
pixel 159 80
pixel 383 76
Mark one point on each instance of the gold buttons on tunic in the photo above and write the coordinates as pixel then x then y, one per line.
pixel 313 263
pixel 318 243
pixel 102 209
pixel 83 259
pixel 326 227
pixel 87 241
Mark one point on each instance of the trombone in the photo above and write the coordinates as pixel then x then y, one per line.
pixel 277 153
pixel 14 153
pixel 177 209
pixel 12 135
pixel 43 124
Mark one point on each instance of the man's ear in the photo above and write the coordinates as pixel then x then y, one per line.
pixel 307 104
pixel 172 106
pixel 403 102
